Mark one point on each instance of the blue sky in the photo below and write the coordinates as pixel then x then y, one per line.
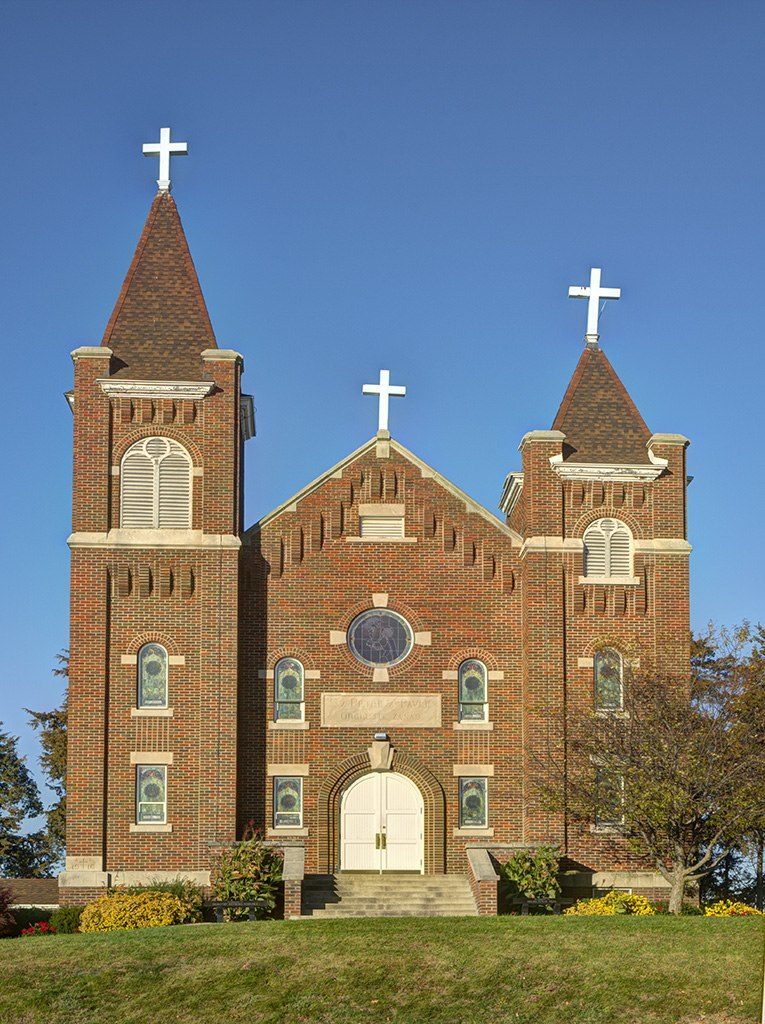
pixel 390 184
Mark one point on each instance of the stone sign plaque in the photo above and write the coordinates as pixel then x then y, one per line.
pixel 381 710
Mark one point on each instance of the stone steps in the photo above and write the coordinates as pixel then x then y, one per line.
pixel 374 895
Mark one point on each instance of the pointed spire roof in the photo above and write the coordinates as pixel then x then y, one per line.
pixel 598 417
pixel 160 323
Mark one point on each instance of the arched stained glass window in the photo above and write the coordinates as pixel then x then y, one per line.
pixel 608 667
pixel 288 689
pixel 607 550
pixel 155 485
pixel 152 676
pixel 473 691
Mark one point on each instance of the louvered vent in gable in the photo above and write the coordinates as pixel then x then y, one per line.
pixel 382 527
pixel 155 485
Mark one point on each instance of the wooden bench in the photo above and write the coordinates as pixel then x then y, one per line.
pixel 251 906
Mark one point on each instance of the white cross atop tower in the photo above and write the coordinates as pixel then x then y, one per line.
pixel 164 149
pixel 593 294
pixel 384 389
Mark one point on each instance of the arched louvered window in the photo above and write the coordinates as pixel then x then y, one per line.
pixel 152 676
pixel 608 668
pixel 607 550
pixel 473 691
pixel 155 486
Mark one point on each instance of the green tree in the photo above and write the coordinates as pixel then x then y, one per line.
pixel 51 726
pixel 681 772
pixel 19 800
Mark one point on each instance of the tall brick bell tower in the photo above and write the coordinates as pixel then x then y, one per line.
pixel 159 422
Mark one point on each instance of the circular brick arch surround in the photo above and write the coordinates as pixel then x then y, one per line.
pixel 352 768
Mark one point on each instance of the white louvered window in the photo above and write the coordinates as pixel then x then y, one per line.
pixel 607 550
pixel 382 527
pixel 155 486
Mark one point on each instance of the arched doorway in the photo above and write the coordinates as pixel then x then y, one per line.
pixel 382 824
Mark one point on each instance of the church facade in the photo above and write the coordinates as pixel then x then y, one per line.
pixel 375 673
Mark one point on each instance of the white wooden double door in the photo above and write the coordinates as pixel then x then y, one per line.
pixel 381 826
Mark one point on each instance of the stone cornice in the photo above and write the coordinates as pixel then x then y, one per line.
pixel 511 492
pixel 603 471
pixel 191 540
pixel 91 352
pixel 155 388
pixel 549 436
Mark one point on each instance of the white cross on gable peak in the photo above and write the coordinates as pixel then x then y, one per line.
pixel 164 149
pixel 593 293
pixel 383 390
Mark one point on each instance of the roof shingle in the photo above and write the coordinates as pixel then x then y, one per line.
pixel 598 417
pixel 160 323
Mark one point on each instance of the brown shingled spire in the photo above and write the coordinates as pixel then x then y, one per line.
pixel 598 417
pixel 160 323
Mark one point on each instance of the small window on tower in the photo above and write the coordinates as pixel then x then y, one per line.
pixel 288 802
pixel 473 694
pixel 151 794
pixel 608 667
pixel 152 676
pixel 288 690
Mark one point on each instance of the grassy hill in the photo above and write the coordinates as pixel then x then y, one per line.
pixel 408 971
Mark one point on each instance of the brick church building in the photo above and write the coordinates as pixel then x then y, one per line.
pixel 373 672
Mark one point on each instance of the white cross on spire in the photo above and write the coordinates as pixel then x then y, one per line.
pixel 164 149
pixel 384 389
pixel 593 294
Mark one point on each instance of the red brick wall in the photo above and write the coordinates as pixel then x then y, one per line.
pixel 186 598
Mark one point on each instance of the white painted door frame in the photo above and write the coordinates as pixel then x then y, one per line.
pixel 382 824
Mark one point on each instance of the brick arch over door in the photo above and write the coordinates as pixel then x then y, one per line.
pixel 346 772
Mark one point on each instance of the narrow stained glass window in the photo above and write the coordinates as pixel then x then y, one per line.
pixel 288 802
pixel 151 794
pixel 609 680
pixel 473 803
pixel 610 799
pixel 288 689
pixel 472 691
pixel 152 676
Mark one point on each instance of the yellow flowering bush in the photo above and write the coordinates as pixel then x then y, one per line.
pixel 118 911
pixel 731 908
pixel 611 904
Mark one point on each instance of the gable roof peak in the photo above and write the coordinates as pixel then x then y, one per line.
pixel 160 325
pixel 601 422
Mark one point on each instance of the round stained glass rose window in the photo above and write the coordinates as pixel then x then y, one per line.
pixel 380 638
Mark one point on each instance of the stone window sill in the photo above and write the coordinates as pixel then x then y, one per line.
pixel 621 581
pixel 473 831
pixel 469 726
pixel 607 830
pixel 151 828
pixel 284 833
pixel 286 723
pixel 151 712
pixel 605 713
pixel 381 540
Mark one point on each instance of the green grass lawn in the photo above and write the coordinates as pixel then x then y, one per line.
pixel 411 971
